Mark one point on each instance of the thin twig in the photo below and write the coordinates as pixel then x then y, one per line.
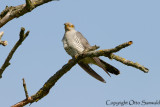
pixel 130 63
pixel 19 42
pixel 4 43
pixel 52 80
pixel 25 88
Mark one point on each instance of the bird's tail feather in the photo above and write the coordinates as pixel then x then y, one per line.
pixel 100 64
pixel 110 68
pixel 90 71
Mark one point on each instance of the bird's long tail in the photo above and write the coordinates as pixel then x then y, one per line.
pixel 90 71
pixel 100 64
pixel 110 68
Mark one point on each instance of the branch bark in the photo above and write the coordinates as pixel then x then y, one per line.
pixel 53 79
pixel 12 12
pixel 19 42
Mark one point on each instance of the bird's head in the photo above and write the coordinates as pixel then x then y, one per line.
pixel 68 26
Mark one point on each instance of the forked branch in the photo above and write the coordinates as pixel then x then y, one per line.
pixel 19 42
pixel 12 12
pixel 53 79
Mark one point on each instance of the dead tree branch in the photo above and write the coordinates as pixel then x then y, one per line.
pixel 25 88
pixel 19 42
pixel 130 63
pixel 4 43
pixel 52 80
pixel 12 12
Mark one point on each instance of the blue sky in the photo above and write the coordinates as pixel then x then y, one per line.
pixel 106 23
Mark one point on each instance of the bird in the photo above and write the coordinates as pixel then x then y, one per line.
pixel 75 43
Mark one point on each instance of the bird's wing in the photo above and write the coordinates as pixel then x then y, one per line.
pixel 90 71
pixel 86 44
pixel 83 40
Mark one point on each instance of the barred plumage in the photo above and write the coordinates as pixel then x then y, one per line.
pixel 75 43
pixel 72 43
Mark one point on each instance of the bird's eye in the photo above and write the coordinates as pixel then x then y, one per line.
pixel 72 26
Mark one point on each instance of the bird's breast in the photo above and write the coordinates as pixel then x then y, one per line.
pixel 74 45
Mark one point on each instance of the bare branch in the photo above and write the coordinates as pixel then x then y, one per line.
pixel 52 80
pixel 25 88
pixel 130 63
pixel 23 103
pixel 19 42
pixel 48 85
pixel 109 53
pixel 1 34
pixel 4 43
pixel 12 12
pixel 104 52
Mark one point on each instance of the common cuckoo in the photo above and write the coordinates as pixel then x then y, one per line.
pixel 75 43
